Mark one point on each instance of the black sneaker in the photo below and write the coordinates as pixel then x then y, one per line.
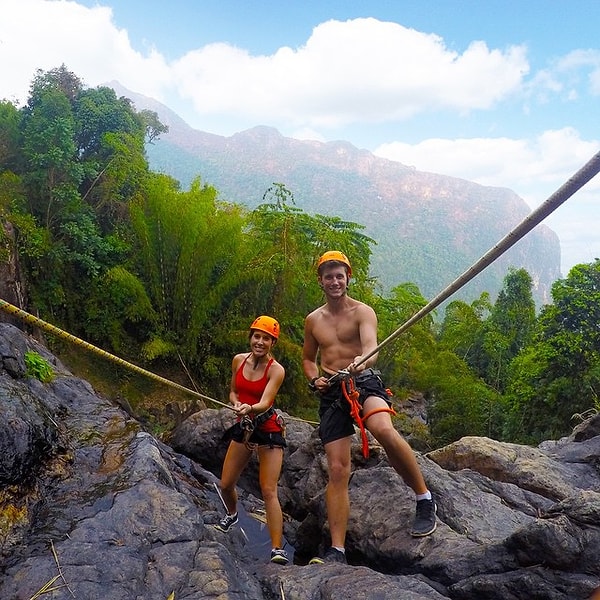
pixel 425 521
pixel 227 522
pixel 331 556
pixel 279 556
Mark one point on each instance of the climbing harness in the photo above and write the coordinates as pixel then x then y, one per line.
pixel 352 396
pixel 247 425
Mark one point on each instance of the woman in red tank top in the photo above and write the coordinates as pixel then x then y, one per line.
pixel 255 380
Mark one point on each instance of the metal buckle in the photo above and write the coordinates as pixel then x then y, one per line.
pixel 341 374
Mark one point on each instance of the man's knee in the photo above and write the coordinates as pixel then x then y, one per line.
pixel 339 471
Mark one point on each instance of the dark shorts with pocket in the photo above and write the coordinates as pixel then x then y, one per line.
pixel 262 438
pixel 336 422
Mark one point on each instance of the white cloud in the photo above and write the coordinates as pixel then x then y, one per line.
pixel 36 34
pixel 354 71
pixel 528 167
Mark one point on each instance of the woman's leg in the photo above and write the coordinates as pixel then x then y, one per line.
pixel 235 462
pixel 270 462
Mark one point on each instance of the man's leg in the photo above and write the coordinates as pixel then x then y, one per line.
pixel 402 458
pixel 398 450
pixel 336 495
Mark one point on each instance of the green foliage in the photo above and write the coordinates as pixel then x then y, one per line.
pixel 119 313
pixel 558 374
pixel 9 137
pixel 37 366
pixel 189 251
pixel 461 326
pixel 53 174
pixel 11 192
pixel 158 348
pixel 127 259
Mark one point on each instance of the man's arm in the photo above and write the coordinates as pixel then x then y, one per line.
pixel 367 328
pixel 310 349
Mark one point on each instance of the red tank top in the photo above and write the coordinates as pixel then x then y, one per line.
pixel 250 392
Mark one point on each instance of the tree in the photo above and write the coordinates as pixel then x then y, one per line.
pixel 9 137
pixel 558 374
pixel 462 324
pixel 506 331
pixel 53 174
pixel 188 254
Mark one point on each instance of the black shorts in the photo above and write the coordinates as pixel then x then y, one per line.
pixel 334 410
pixel 262 438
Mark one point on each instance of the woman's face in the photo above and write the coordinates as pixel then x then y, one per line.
pixel 261 342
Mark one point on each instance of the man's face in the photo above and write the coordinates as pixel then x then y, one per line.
pixel 334 280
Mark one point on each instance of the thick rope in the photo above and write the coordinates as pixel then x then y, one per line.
pixel 587 172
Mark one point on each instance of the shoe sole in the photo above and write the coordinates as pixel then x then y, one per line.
pixel 280 561
pixel 316 561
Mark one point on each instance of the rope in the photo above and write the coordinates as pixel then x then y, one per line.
pixel 31 320
pixel 352 396
pixel 577 181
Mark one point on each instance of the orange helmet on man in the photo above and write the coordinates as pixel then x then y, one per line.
pixel 267 325
pixel 334 256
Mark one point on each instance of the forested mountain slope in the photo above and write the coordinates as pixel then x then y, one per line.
pixel 429 228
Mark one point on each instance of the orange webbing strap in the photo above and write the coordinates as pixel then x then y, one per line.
pixel 387 409
pixel 352 396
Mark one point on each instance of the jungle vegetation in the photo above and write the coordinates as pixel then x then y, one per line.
pixel 169 278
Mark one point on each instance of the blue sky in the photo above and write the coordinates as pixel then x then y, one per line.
pixel 504 93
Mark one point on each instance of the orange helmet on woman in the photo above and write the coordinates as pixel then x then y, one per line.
pixel 337 256
pixel 267 324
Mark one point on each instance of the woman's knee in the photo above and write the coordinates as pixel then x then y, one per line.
pixel 269 492
pixel 227 486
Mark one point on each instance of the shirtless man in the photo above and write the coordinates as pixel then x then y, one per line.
pixel 342 331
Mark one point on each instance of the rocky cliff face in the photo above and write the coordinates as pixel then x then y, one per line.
pixel 429 228
pixel 94 507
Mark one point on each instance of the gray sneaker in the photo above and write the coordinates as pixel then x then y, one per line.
pixel 227 522
pixel 331 556
pixel 425 520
